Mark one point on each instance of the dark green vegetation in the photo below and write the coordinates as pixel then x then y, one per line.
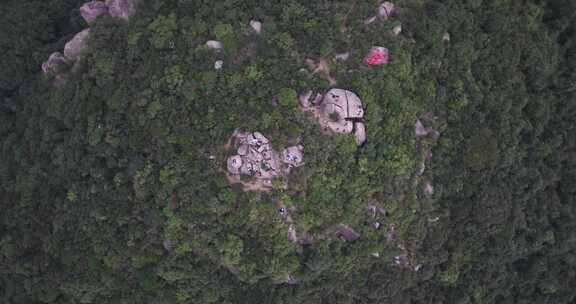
pixel 96 177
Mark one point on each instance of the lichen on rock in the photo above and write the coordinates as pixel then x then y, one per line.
pixel 339 111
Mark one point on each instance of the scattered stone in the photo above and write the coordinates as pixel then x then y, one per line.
pixel 418 267
pixel 401 260
pixel 305 99
pixel 391 235
pixel 74 48
pixel 360 133
pixel 348 233
pixel 54 64
pixel 397 30
pixel 375 254
pixel 428 189
pixel 420 130
pixel 376 225
pixel 256 25
pixel 168 245
pixel 218 64
pixel 446 37
pixel 342 56
pixel 123 9
pixel 292 280
pixel 385 10
pixel 213 44
pixel 90 11
pixel 377 56
pixel 292 237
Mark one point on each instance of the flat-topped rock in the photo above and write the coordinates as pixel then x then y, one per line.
pixel 123 9
pixel 74 48
pixel 254 157
pixel 90 11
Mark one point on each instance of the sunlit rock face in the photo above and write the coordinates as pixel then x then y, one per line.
pixel 123 9
pixel 74 48
pixel 54 64
pixel 90 11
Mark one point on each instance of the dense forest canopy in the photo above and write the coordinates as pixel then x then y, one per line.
pixel 112 187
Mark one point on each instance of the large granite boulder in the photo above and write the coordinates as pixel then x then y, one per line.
pixel 74 48
pixel 54 64
pixel 123 9
pixel 90 11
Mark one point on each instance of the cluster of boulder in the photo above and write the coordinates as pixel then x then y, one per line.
pixel 90 11
pixel 256 159
pixel 338 110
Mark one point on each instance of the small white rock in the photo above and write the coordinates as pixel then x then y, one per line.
pixel 218 64
pixel 342 56
pixel 213 44
pixel 256 25
pixel 397 30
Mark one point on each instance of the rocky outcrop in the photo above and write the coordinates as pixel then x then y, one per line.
pixel 256 159
pixel 74 48
pixel 123 9
pixel 338 110
pixel 90 11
